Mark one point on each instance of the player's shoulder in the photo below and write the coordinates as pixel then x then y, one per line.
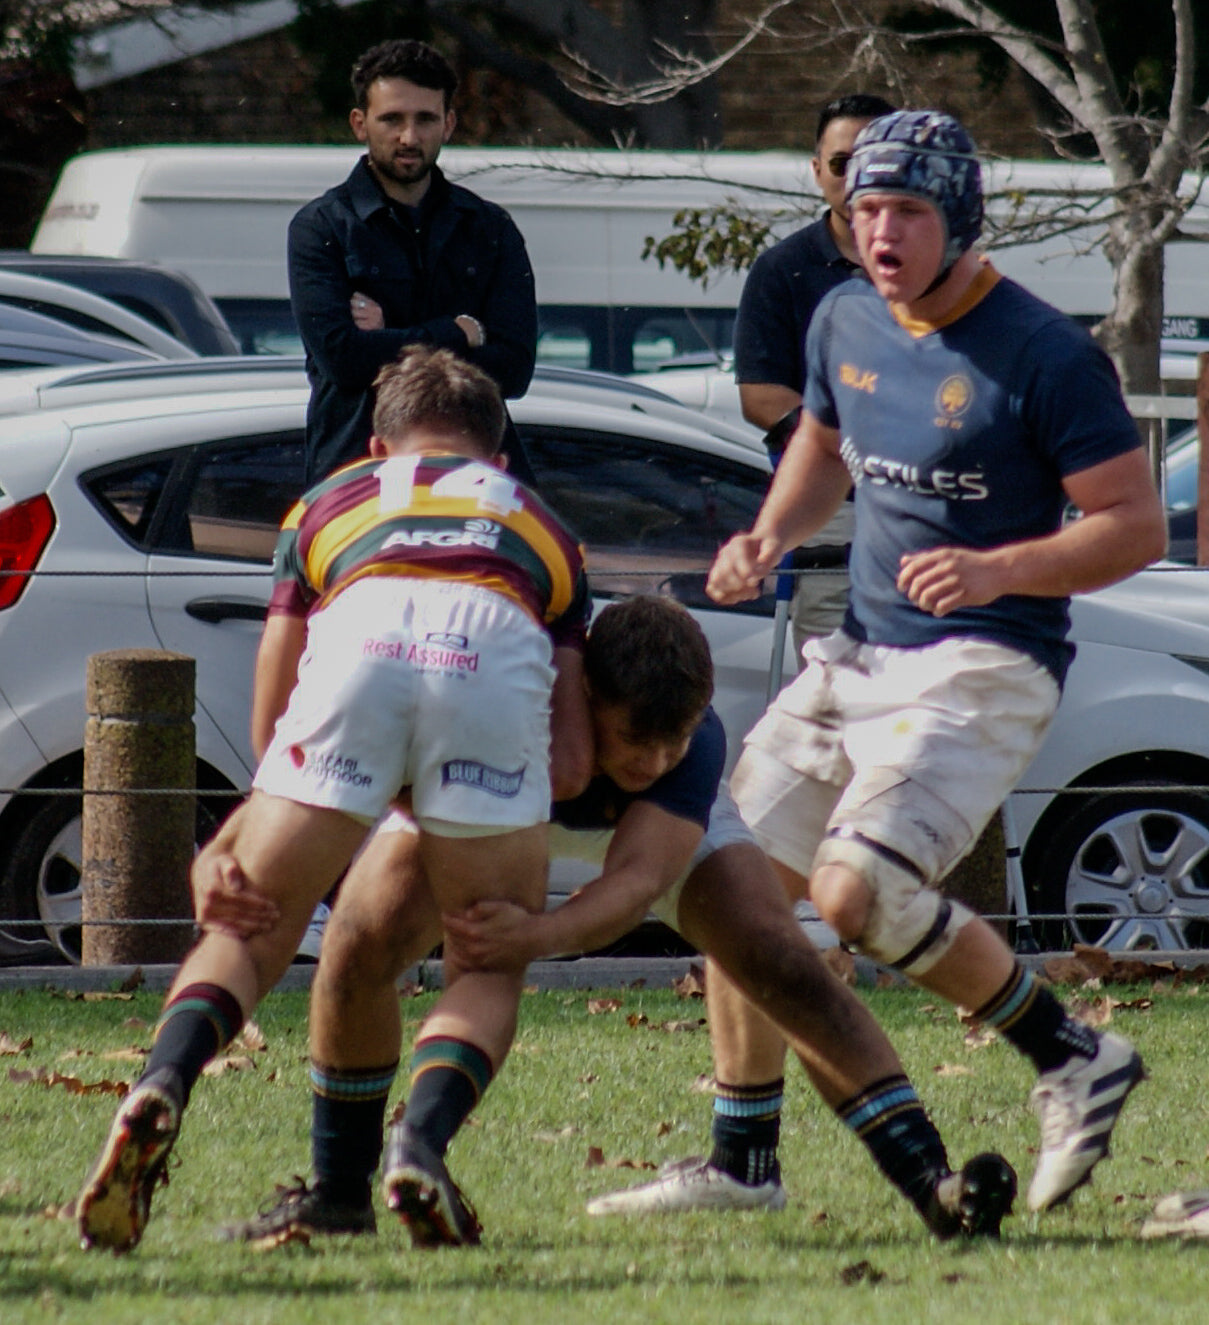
pixel 1046 330
pixel 850 297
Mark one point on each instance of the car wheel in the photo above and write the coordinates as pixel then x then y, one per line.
pixel 1129 871
pixel 40 878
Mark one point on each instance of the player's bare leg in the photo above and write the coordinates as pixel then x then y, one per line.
pixel 734 908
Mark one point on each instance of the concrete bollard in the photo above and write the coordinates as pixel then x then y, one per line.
pixel 137 850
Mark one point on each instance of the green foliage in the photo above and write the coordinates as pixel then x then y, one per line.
pixel 709 240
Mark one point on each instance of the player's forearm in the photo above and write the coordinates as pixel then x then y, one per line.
pixel 810 483
pixel 1085 555
pixel 599 913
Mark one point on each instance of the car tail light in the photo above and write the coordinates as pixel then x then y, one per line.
pixel 25 530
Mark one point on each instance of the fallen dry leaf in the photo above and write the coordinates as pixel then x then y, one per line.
pixel 979 1037
pixel 596 1160
pixel 587 1079
pixel 560 1135
pixel 704 1085
pixel 133 981
pixel 952 1070
pixel 10 1046
pixel 1097 1012
pixel 41 1076
pixel 674 1027
pixel 662 1129
pixel 692 983
pixel 598 1005
pixel 134 1054
pixel 635 1019
pixel 860 1273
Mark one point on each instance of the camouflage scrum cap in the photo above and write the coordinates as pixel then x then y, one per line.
pixel 928 155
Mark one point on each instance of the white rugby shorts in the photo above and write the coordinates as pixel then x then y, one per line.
pixel 914 748
pixel 433 685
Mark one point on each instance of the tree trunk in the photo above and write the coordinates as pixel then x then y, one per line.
pixel 1131 332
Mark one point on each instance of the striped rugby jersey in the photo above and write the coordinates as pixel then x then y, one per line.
pixel 444 517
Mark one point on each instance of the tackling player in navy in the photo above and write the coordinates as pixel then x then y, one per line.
pixel 665 837
pixel 966 414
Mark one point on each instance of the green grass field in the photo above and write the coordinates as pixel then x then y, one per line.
pixel 625 1082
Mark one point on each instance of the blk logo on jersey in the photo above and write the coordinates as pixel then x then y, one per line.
pixel 857 378
pixel 494 781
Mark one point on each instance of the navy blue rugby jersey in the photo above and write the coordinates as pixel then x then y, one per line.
pixel 960 434
pixel 688 790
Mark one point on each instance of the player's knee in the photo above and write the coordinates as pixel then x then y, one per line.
pixel 358 954
pixel 842 897
pixel 905 924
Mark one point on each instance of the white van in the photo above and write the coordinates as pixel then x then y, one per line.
pixel 220 214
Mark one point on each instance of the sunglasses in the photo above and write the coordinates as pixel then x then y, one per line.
pixel 838 163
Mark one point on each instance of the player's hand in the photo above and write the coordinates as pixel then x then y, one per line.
pixel 942 579
pixel 367 313
pixel 740 567
pixel 491 936
pixel 224 902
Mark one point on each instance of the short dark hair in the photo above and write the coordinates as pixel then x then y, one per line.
pixel 650 655
pixel 854 106
pixel 416 61
pixel 427 388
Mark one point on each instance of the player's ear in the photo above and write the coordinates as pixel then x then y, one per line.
pixel 377 447
pixel 499 460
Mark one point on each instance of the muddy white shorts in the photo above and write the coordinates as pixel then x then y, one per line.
pixel 913 748
pixel 436 686
pixel 591 846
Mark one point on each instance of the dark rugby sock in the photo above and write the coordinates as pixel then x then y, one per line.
pixel 196 1024
pixel 1029 1016
pixel 348 1113
pixel 746 1130
pixel 890 1120
pixel 448 1078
